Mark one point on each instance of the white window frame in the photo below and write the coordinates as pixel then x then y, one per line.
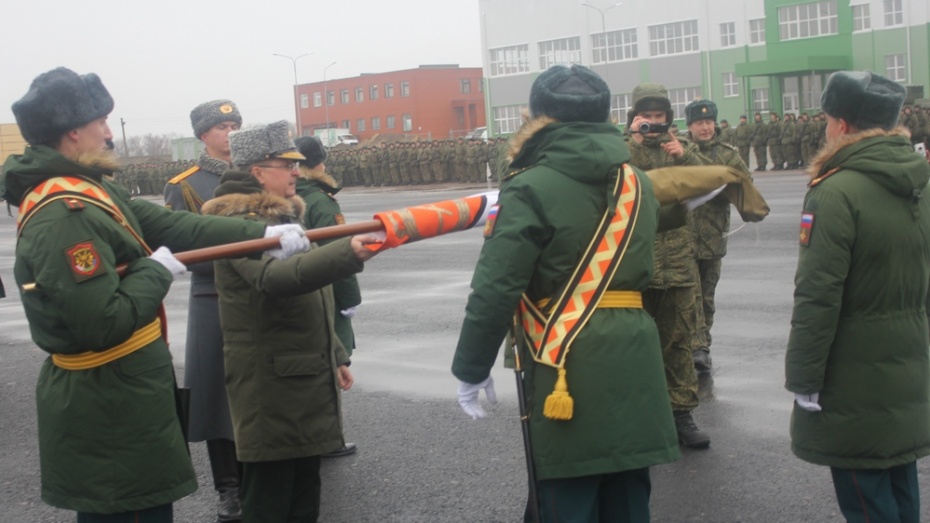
pixel 389 90
pixel 318 99
pixel 390 121
pixel 674 38
pixel 375 123
pixel 304 101
pixel 757 31
pixel 894 12
pixel 465 85
pixel 862 17
pixel 896 67
pixel 330 97
pixel 344 96
pixel 359 94
pixel 404 89
pixel 730 85
pixel 373 92
pixel 514 59
pixel 508 118
pixel 360 125
pixel 760 99
pixel 620 106
pixel 810 20
pixel 681 97
pixel 728 34
pixel 563 51
pixel 407 122
pixel 614 46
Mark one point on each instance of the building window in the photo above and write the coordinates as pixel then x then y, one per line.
pixel 330 98
pixel 620 106
pixel 894 13
pixel 389 90
pixel 318 99
pixel 682 97
pixel 375 123
pixel 728 34
pixel 390 122
pixel 405 88
pixel 345 125
pixel 730 85
pixel 407 122
pixel 508 118
pixel 895 68
pixel 304 101
pixel 614 46
pixel 807 20
pixel 373 94
pixel 811 88
pixel 562 51
pixel 465 86
pixel 674 38
pixel 757 31
pixel 359 94
pixel 344 96
pixel 760 99
pixel 861 17
pixel 360 125
pixel 509 60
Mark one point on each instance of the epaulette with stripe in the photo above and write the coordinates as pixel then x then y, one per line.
pixel 180 178
pixel 822 177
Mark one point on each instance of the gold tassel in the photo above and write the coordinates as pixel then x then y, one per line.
pixel 559 405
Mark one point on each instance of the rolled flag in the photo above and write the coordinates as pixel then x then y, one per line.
pixel 419 222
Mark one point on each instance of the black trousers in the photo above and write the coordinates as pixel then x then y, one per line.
pixel 621 497
pixel 159 514
pixel 872 495
pixel 286 491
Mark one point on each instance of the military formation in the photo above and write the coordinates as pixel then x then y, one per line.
pixel 381 165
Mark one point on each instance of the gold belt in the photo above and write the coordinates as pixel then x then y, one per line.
pixel 91 359
pixel 611 300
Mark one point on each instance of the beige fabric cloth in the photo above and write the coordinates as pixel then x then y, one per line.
pixel 677 184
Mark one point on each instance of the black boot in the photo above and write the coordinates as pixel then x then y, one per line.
pixel 702 361
pixel 226 474
pixel 688 433
pixel 347 449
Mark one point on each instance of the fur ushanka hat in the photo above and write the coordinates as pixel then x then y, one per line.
pixel 312 148
pixel 570 94
pixel 58 101
pixel 208 114
pixel 863 98
pixel 263 143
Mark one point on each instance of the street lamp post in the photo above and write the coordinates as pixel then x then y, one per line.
pixel 602 12
pixel 293 60
pixel 329 132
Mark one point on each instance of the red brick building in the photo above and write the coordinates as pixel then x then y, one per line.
pixel 431 101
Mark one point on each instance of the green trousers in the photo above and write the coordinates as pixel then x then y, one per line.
pixel 159 514
pixel 286 491
pixel 878 495
pixel 621 497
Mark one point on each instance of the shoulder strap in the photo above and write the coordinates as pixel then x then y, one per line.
pixel 551 335
pixel 183 175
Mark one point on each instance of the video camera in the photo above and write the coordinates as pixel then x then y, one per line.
pixel 650 127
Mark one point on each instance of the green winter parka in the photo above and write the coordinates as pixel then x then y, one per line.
pixel 109 436
pixel 317 190
pixel 548 212
pixel 859 326
pixel 280 349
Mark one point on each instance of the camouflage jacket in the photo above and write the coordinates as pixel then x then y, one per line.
pixel 710 222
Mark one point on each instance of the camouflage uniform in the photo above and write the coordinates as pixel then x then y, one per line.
pixel 806 136
pixel 789 140
pixel 743 140
pixel 774 141
pixel 760 139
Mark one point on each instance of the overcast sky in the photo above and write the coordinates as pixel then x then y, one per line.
pixel 160 58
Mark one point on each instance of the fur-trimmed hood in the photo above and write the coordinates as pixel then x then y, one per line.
pixel 886 156
pixel 269 207
pixel 40 162
pixel 319 176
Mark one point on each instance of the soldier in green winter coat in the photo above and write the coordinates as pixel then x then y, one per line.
pixel 857 354
pixel 285 366
pixel 710 223
pixel 318 191
pixel 595 465
pixel 670 297
pixel 110 442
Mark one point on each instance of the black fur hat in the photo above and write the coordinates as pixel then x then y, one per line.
pixel 312 148
pixel 570 94
pixel 700 110
pixel 863 98
pixel 58 101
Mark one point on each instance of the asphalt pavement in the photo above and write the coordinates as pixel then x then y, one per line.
pixel 421 460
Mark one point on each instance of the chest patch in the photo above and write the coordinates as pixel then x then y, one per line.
pixel 84 261
pixel 492 219
pixel 807 227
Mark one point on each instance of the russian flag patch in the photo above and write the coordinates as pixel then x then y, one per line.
pixel 807 227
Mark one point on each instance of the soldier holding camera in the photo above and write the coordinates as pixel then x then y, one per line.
pixel 670 297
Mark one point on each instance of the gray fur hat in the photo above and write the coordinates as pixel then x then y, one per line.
pixel 208 114
pixel 864 99
pixel 312 148
pixel 570 94
pixel 58 101
pixel 262 143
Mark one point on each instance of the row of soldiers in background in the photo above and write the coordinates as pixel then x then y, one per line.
pixel 415 163
pixel 391 163
pixel 792 141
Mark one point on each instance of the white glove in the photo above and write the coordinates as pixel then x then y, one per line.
pixel 808 402
pixel 167 260
pixel 350 312
pixel 694 203
pixel 292 238
pixel 468 397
